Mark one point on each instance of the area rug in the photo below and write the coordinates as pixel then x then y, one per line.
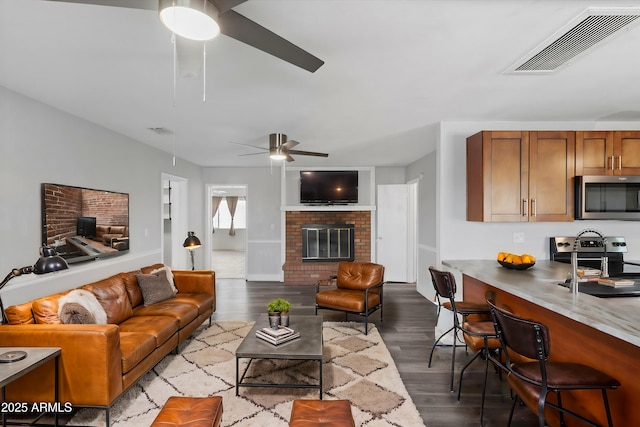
pixel 357 367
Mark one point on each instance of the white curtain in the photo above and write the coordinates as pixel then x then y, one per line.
pixel 215 204
pixel 232 202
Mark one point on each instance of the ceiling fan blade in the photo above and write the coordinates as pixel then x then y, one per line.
pixel 248 145
pixel 225 5
pixel 132 4
pixel 307 153
pixel 290 144
pixel 289 158
pixel 250 154
pixel 245 30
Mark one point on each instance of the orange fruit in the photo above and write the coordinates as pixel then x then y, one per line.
pixel 527 259
pixel 517 259
pixel 509 258
pixel 502 255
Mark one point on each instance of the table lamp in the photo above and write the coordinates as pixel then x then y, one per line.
pixel 48 262
pixel 191 243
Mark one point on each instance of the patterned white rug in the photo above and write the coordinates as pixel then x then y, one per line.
pixel 357 367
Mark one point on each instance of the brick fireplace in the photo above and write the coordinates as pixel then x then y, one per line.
pixel 297 272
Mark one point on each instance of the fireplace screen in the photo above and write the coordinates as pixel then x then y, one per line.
pixel 327 242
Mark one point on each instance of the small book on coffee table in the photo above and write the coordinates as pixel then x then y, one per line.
pixel 277 336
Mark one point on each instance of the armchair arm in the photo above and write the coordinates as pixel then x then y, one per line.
pixel 90 363
pixel 326 282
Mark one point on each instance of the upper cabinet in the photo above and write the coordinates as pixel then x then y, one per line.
pixel 520 176
pixel 607 153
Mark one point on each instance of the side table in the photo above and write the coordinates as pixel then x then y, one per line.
pixel 36 356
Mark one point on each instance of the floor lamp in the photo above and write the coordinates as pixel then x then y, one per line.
pixel 48 262
pixel 191 243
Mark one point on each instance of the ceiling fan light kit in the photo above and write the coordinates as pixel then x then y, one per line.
pixel 191 19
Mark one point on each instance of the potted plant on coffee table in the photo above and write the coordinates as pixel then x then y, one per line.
pixel 279 308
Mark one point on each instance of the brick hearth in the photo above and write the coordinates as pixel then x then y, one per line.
pixel 297 272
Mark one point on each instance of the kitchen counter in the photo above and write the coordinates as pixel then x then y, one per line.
pixel 618 317
pixel 600 332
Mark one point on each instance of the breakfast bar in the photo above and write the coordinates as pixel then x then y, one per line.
pixel 600 332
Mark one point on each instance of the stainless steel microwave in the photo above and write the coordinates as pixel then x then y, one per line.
pixel 608 197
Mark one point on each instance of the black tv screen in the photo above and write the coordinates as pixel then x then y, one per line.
pixel 328 187
pixel 86 226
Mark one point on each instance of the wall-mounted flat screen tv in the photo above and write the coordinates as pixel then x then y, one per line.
pixel 83 224
pixel 328 187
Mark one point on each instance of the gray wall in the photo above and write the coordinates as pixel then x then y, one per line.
pixel 41 144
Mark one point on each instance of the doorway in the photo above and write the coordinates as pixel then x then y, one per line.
pixel 227 230
pixel 396 246
pixel 174 221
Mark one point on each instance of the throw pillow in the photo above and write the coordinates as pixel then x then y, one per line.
pixel 154 287
pixel 72 312
pixel 169 274
pixel 89 310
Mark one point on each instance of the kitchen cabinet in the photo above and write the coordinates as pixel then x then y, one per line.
pixel 607 153
pixel 520 176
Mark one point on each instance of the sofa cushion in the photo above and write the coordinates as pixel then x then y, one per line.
pixel 112 295
pixel 154 287
pixel 45 309
pixel 131 285
pixel 183 312
pixel 204 302
pixel 135 346
pixel 20 314
pixel 83 308
pixel 160 327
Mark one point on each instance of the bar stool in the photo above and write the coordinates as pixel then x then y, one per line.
pixel 481 338
pixel 532 381
pixel 444 284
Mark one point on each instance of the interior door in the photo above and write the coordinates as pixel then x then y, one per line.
pixel 392 231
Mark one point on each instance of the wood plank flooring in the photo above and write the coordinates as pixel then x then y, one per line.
pixel 408 331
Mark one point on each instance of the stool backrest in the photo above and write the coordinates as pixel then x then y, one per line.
pixel 526 337
pixel 359 275
pixel 444 283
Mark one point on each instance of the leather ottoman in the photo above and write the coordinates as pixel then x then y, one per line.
pixel 190 412
pixel 321 413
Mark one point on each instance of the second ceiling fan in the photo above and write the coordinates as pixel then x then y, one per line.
pixel 281 149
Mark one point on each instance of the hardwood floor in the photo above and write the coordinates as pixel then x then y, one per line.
pixel 408 331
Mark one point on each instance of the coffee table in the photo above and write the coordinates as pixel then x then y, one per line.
pixel 307 347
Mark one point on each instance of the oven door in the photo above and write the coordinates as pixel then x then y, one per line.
pixel 608 197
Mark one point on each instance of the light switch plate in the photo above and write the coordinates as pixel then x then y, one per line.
pixel 518 237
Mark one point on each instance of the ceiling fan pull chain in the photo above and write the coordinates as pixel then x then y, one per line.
pixel 204 72
pixel 175 66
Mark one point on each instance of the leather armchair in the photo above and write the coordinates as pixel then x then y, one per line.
pixel 358 290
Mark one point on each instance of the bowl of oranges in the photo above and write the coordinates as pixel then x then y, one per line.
pixel 516 262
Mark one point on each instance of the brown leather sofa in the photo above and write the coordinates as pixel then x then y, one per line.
pixel 99 362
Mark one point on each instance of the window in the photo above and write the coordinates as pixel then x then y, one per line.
pixel 222 218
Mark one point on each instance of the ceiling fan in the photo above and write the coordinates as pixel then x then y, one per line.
pixel 229 22
pixel 281 149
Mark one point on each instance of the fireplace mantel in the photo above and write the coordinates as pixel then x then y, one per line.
pixel 330 208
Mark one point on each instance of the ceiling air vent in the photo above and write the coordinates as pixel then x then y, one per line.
pixel 580 35
pixel 161 131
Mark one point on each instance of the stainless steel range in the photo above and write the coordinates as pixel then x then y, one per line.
pixel 590 251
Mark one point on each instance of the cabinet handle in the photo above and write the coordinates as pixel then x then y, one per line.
pixel 525 205
pixel 613 159
pixel 619 162
pixel 534 210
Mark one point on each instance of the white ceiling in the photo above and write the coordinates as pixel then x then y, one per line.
pixel 392 68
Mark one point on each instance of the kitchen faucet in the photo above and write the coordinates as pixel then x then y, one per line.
pixel 604 265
